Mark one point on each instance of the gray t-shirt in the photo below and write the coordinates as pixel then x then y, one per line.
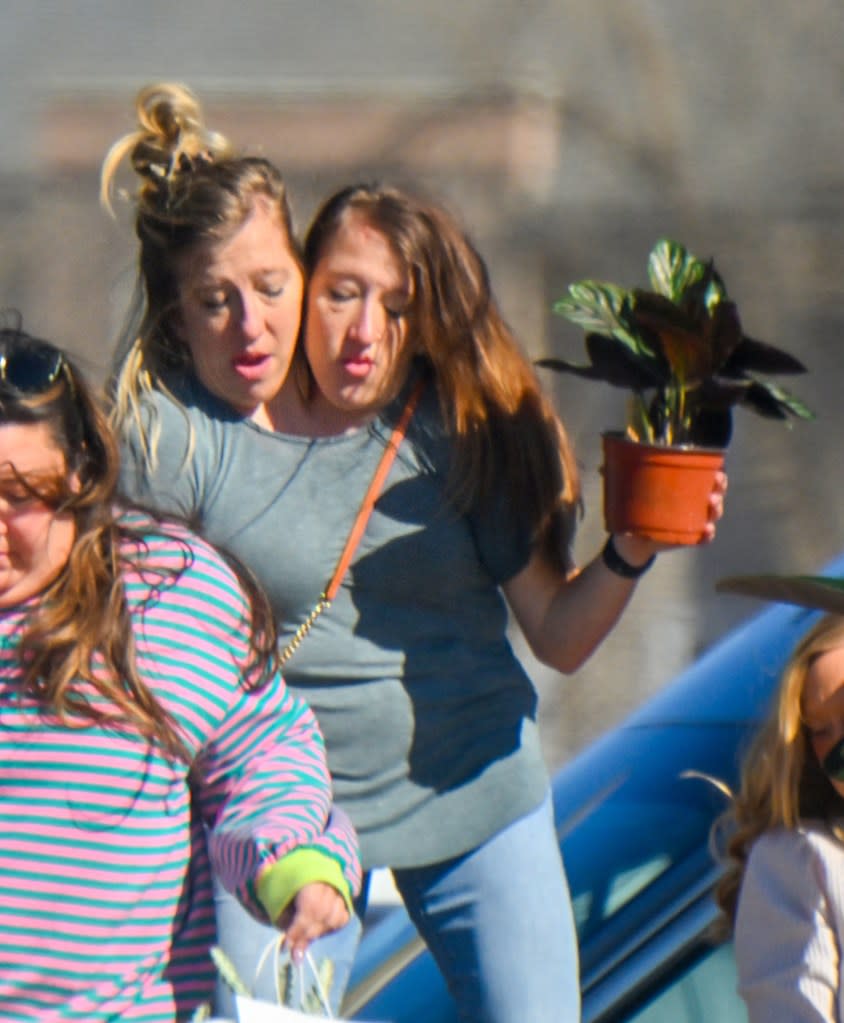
pixel 429 719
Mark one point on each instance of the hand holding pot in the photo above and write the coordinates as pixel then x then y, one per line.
pixel 637 547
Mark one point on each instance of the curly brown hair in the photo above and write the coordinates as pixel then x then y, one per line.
pixel 79 637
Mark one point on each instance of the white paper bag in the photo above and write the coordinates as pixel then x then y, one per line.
pixel 258 1010
pixel 254 1010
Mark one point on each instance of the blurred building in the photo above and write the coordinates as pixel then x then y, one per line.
pixel 567 135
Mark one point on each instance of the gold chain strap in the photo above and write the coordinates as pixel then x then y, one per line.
pixel 368 503
pixel 321 605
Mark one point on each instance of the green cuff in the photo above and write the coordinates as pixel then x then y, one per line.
pixel 278 885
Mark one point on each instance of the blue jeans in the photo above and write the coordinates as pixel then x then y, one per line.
pixel 244 941
pixel 499 923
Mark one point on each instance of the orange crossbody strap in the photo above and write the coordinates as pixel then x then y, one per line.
pixel 359 525
pixel 371 495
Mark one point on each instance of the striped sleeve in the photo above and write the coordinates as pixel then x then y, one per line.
pixel 259 772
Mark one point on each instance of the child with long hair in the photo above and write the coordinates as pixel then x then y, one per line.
pixel 783 890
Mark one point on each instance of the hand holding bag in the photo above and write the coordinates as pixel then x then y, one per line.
pixel 309 985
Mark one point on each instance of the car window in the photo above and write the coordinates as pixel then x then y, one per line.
pixel 646 836
pixel 700 992
pixel 630 850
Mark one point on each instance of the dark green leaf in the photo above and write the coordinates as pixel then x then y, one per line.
pixel 711 428
pixel 715 292
pixel 722 392
pixel 652 311
pixel 726 335
pixel 599 307
pixel 765 397
pixel 672 270
pixel 584 370
pixel 683 340
pixel 612 363
pixel 761 357
pixel 593 305
pixel 623 368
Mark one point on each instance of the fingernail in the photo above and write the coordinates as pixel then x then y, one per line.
pixel 297 955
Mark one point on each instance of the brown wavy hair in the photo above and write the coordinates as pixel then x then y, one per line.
pixel 503 424
pixel 193 189
pixel 80 636
pixel 782 784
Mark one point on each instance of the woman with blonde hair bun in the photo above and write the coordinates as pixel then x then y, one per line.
pixel 782 894
pixel 198 199
pixel 407 486
pixel 195 194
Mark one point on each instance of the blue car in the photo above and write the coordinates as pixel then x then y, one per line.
pixel 633 814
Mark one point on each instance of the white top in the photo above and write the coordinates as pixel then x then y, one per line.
pixel 790 926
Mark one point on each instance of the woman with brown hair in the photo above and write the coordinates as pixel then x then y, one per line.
pixel 146 737
pixel 391 580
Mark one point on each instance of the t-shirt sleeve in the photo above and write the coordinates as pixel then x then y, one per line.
pixel 786 949
pixel 502 535
pixel 499 526
pixel 159 464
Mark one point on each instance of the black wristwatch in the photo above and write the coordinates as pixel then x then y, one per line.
pixel 616 564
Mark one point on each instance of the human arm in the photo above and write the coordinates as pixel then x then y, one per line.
pixel 565 618
pixel 259 775
pixel 305 893
pixel 275 840
pixel 787 949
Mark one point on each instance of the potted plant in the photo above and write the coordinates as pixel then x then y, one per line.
pixel 679 348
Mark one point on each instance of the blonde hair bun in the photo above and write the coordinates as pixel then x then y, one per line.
pixel 171 139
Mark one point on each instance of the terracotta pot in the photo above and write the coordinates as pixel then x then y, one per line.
pixel 656 491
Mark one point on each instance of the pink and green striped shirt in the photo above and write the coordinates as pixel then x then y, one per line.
pixel 106 908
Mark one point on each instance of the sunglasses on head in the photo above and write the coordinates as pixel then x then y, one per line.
pixel 28 367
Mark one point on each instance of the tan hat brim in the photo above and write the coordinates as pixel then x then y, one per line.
pixel 820 593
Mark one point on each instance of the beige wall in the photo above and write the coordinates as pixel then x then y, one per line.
pixel 504 162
